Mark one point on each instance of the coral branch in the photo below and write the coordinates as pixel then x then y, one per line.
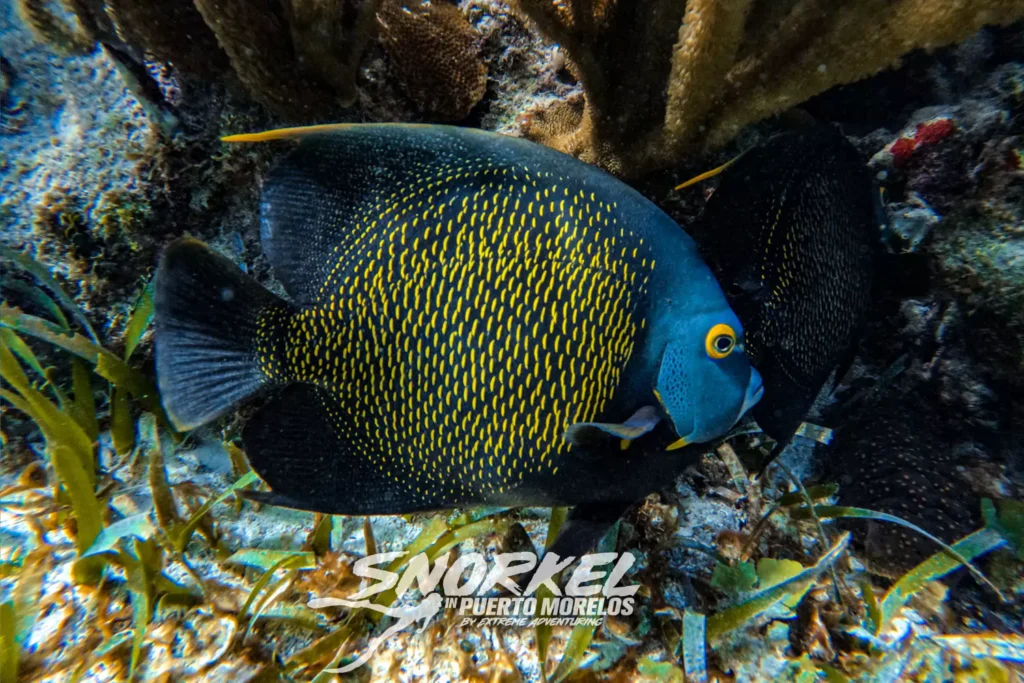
pixel 708 42
pixel 729 63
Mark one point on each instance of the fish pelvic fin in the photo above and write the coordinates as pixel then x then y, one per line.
pixel 210 355
pixel 639 423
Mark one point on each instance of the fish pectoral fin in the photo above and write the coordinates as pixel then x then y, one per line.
pixel 676 445
pixel 639 423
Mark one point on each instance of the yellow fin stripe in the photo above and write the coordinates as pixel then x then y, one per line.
pixel 708 174
pixel 298 132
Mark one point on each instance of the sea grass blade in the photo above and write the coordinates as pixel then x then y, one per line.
pixel 297 614
pixel 273 593
pixel 934 568
pixel 320 539
pixel 83 407
pixel 87 507
pixel 41 299
pixel 443 543
pixel 287 561
pixel 582 634
pixel 140 570
pixel 453 537
pixel 136 526
pixel 9 650
pixel 43 275
pixel 772 572
pixel 543 629
pixel 368 538
pixel 181 539
pixel 265 560
pixel 16 344
pixel 64 403
pixel 837 511
pixel 138 322
pixel 694 639
pixel 56 426
pixel 579 640
pixel 871 603
pixel 1007 647
pixel 107 365
pixel 122 426
pixel 167 514
pixel 722 622
pixel 815 492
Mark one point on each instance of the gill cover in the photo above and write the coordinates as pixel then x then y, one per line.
pixel 705 382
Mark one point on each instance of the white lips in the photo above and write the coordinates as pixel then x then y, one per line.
pixel 752 397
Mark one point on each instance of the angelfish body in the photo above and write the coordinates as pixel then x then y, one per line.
pixel 459 302
pixel 792 231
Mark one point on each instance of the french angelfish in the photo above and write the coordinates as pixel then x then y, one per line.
pixel 473 320
pixel 792 233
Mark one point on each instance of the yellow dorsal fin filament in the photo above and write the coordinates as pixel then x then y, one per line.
pixel 298 132
pixel 707 174
pixel 286 133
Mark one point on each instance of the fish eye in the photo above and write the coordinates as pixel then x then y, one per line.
pixel 720 341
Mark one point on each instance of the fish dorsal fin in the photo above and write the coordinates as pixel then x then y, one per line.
pixel 639 423
pixel 329 194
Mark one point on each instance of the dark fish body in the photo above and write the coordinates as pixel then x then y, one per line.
pixel 900 456
pixel 792 233
pixel 458 300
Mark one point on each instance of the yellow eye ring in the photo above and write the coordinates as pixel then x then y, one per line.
pixel 720 342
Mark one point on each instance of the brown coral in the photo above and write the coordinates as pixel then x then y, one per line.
pixel 435 50
pixel 256 39
pixel 330 37
pixel 733 62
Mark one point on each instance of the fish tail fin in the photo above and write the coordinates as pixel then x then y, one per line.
pixel 209 356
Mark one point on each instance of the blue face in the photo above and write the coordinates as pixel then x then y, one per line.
pixel 705 381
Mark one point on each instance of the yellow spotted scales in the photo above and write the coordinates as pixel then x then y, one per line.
pixel 476 311
pixel 471 319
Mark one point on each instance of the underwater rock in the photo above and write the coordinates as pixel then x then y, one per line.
pixel 77 162
pixel 170 31
pixel 979 257
pixel 910 225
pixel 524 70
pixel 330 37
